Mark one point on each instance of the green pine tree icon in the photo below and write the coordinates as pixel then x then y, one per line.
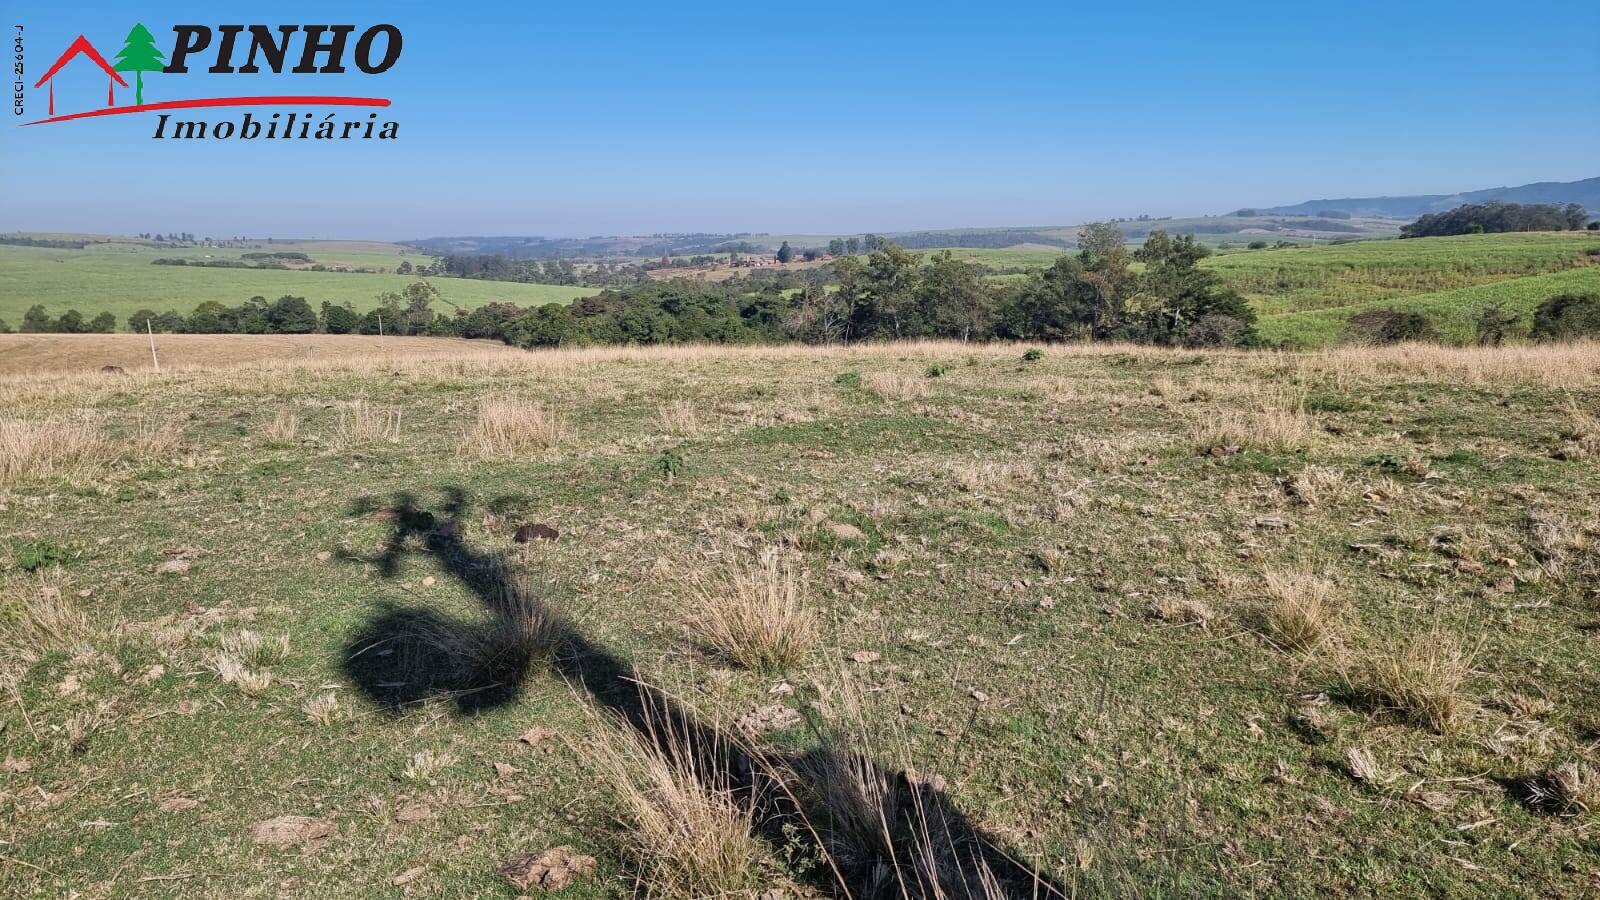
pixel 139 55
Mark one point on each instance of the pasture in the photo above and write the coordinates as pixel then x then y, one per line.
pixel 478 622
pixel 121 278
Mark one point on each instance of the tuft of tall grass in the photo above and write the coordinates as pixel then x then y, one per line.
pixel 892 386
pixel 1424 677
pixel 1300 608
pixel 757 614
pixel 283 429
pixel 508 427
pixel 49 448
pixel 680 417
pixel 362 424
pixel 37 616
pixel 685 832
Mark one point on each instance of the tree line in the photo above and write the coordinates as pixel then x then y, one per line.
pixel 1497 217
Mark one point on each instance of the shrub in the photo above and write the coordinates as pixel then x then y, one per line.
pixel 1219 331
pixel 1494 325
pixel 36 555
pixel 936 370
pixel 847 379
pixel 1032 354
pixel 1391 326
pixel 669 464
pixel 1567 317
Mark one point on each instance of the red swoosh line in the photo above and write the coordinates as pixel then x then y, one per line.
pixel 208 102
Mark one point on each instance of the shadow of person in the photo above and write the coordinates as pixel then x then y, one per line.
pixel 884 833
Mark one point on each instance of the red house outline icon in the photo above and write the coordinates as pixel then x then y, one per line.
pixel 82 45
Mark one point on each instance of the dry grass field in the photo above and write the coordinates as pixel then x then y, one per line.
pixel 23 354
pixel 921 620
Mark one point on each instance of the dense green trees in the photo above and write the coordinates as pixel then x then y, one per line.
pixel 36 320
pixel 1496 217
pixel 1096 295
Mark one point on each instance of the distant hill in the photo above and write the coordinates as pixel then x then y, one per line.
pixel 1585 192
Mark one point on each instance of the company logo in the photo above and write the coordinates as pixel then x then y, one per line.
pixel 236 50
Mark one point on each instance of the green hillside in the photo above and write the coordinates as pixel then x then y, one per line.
pixel 120 276
pixel 1306 295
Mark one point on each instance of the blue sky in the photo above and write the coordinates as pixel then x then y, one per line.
pixel 578 119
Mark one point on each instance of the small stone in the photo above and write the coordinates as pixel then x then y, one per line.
pixel 290 831
pixel 769 718
pixel 324 556
pixel 551 870
pixel 173 567
pixel 866 656
pixel 845 531
pixel 429 581
pixel 533 737
pixel 412 813
pixel 535 531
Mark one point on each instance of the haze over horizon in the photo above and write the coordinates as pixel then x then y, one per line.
pixel 556 122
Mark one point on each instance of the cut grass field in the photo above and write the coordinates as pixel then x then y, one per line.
pixel 120 278
pixel 1153 623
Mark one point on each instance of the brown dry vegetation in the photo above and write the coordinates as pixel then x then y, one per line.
pixel 1064 617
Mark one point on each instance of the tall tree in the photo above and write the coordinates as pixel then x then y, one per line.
pixel 1103 263
pixel 953 299
pixel 1179 302
pixel 785 252
pixel 139 55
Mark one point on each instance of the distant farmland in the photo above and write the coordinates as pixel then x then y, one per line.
pixel 120 277
pixel 1306 295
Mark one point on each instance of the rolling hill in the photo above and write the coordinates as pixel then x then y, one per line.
pixel 1585 193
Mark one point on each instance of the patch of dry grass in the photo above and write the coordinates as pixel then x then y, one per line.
pixel 757 614
pixel 685 834
pixel 1300 608
pixel 38 616
pixel 50 448
pixel 362 425
pixel 508 427
pixel 283 429
pixel 1271 429
pixel 680 417
pixel 894 386
pixel 1424 677
pixel 250 682
pixel 1183 611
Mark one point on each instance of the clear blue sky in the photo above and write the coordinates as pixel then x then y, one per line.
pixel 581 118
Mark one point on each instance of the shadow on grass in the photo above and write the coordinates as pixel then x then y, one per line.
pixel 918 843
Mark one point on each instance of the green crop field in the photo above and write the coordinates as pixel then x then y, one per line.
pixel 120 277
pixel 1305 295
pixel 1151 623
